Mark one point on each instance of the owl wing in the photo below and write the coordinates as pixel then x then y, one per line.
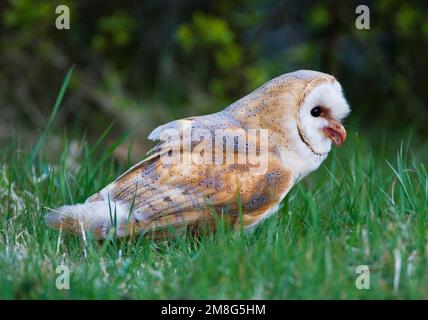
pixel 191 196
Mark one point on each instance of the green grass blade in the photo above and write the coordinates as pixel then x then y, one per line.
pixel 58 102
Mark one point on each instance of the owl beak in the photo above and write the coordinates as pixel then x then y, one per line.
pixel 335 132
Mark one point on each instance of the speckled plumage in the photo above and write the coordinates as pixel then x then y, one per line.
pixel 158 199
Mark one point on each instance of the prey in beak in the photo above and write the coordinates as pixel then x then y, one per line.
pixel 335 132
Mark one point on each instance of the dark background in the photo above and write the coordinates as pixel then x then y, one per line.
pixel 142 63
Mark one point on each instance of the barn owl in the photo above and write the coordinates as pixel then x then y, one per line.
pixel 290 123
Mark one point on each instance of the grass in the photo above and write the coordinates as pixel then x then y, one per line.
pixel 364 206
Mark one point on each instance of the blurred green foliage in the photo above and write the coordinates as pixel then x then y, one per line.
pixel 113 31
pixel 217 56
pixel 26 14
pixel 165 59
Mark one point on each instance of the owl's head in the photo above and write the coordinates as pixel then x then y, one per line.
pixel 320 113
pixel 304 107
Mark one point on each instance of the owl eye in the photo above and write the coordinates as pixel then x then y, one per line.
pixel 316 112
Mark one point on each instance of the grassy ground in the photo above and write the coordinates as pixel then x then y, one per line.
pixel 364 206
pixel 357 209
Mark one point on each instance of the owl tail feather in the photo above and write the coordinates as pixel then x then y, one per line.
pixel 99 218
